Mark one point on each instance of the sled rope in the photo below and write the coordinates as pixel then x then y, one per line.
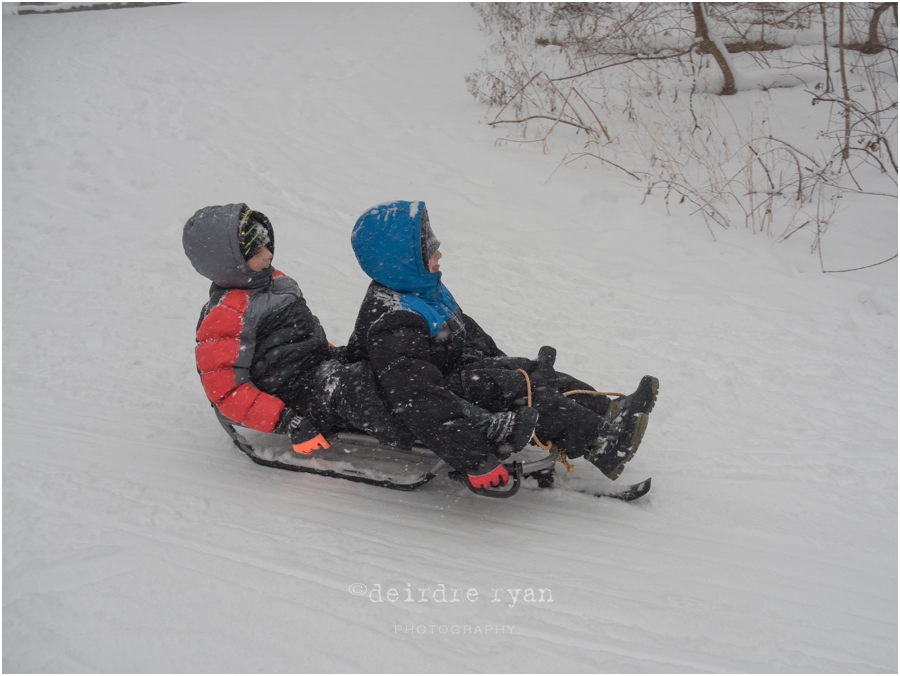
pixel 541 444
pixel 605 394
pixel 561 452
pixel 561 457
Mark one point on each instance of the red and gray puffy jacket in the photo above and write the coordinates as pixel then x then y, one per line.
pixel 258 343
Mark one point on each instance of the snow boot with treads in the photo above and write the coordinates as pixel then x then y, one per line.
pixel 623 428
pixel 641 400
pixel 611 454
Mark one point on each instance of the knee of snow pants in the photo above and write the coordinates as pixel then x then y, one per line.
pixel 568 425
pixel 492 389
pixel 348 395
pixel 563 421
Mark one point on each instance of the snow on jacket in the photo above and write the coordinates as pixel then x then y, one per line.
pixel 258 343
pixel 413 332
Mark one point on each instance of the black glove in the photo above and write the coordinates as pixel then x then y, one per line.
pixel 305 436
pixel 547 355
pixel 287 422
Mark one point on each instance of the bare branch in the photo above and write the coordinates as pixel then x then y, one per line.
pixel 664 57
pixel 542 117
pixel 864 267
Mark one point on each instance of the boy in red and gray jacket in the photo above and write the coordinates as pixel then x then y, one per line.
pixel 263 356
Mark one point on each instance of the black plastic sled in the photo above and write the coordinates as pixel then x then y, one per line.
pixel 355 456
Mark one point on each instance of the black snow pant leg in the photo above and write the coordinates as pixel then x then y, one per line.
pixel 348 396
pixel 568 425
pixel 564 422
pixel 562 382
pixel 544 374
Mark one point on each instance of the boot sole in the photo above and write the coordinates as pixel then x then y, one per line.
pixel 654 388
pixel 640 426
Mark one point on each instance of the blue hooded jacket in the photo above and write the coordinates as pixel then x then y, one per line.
pixel 387 241
pixel 410 328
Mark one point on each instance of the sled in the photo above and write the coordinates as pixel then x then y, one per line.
pixel 355 456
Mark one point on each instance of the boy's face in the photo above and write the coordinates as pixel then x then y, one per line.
pixel 260 261
pixel 433 265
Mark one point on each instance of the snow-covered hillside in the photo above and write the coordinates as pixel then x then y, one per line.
pixel 137 538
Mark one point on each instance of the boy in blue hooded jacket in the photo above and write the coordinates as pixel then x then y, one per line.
pixel 432 361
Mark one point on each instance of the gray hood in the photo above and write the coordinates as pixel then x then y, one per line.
pixel 211 243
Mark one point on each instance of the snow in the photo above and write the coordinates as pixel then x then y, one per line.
pixel 138 539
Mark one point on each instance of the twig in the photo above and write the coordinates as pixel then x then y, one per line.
pixel 514 96
pixel 602 126
pixel 622 63
pixel 575 156
pixel 543 117
pixel 864 266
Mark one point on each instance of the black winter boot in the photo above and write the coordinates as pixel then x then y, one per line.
pixel 611 454
pixel 623 428
pixel 641 400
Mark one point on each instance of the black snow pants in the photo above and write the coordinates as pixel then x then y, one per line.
pixel 347 397
pixel 571 423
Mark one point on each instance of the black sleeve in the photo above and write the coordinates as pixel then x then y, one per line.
pixel 478 343
pixel 399 350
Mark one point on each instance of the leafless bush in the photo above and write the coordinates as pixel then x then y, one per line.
pixel 637 83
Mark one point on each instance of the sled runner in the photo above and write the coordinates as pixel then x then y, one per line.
pixel 358 457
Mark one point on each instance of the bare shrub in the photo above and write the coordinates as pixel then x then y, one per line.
pixel 637 82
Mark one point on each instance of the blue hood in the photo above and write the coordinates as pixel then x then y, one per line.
pixel 387 241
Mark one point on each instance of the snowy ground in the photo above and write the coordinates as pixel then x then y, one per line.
pixel 136 538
